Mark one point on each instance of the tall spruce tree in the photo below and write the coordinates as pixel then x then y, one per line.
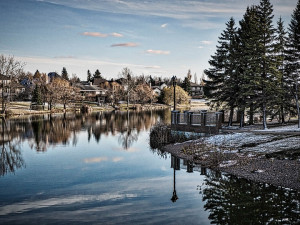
pixel 64 74
pixel 89 76
pixel 186 84
pixel 222 83
pixel 267 64
pixel 37 95
pixel 282 100
pixel 248 45
pixel 293 56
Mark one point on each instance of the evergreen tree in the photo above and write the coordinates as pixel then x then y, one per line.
pixel 64 74
pixel 282 101
pixel 293 56
pixel 37 95
pixel 222 84
pixel 89 76
pixel 97 74
pixel 248 40
pixel 267 65
pixel 186 84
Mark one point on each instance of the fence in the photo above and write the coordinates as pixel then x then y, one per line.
pixel 200 122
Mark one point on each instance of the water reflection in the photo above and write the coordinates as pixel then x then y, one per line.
pixel 44 131
pixel 10 155
pixel 231 200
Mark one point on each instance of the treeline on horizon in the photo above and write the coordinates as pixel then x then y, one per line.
pixel 256 66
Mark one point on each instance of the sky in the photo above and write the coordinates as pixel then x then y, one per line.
pixel 161 38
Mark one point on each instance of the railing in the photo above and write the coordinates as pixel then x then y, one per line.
pixel 202 121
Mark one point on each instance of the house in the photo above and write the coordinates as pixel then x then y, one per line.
pixel 10 88
pixel 51 76
pixel 197 90
pixel 158 89
pixel 111 85
pixel 92 92
pixel 4 85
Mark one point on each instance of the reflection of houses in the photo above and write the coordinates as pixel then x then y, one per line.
pixel 92 92
pixel 197 90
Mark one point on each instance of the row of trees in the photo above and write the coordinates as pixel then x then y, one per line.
pixel 256 66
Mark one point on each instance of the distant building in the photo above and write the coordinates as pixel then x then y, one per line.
pixel 158 89
pixel 51 76
pixel 92 92
pixel 10 88
pixel 197 90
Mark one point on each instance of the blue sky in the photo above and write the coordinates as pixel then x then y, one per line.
pixel 159 38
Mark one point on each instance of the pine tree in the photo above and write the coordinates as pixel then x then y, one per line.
pixel 293 56
pixel 222 83
pixel 89 76
pixel 282 101
pixel 64 74
pixel 37 95
pixel 97 74
pixel 248 39
pixel 267 66
pixel 186 84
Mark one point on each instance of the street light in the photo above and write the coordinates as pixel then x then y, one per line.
pixel 174 81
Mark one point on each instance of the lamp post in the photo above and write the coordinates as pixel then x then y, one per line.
pixel 174 81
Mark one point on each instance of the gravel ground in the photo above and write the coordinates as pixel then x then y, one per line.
pixel 243 155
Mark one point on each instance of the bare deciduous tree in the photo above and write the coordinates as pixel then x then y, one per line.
pixel 9 69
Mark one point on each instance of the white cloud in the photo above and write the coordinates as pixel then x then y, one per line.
pixel 158 52
pixel 128 44
pixel 116 34
pixel 206 42
pixel 94 34
pixel 164 25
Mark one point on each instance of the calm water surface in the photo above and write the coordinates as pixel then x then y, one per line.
pixel 99 169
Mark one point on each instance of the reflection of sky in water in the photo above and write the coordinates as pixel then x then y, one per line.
pixel 99 183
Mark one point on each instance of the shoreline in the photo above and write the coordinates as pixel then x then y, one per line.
pixel 245 162
pixel 13 111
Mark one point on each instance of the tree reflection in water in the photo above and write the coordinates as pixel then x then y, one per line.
pixel 10 155
pixel 232 200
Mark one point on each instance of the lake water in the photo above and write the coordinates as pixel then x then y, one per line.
pixel 99 169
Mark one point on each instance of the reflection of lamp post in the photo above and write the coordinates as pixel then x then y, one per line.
pixel 174 81
pixel 175 163
pixel 174 196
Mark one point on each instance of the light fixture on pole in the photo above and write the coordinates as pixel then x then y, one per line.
pixel 174 82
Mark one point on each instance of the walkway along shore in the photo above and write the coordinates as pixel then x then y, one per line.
pixel 271 156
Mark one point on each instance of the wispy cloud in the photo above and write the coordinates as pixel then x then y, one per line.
pixel 94 34
pixel 128 44
pixel 65 57
pixel 158 52
pixel 152 67
pixel 164 25
pixel 116 34
pixel 206 42
pixel 102 35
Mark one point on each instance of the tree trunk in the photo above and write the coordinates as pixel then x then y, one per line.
pixel 282 114
pixel 264 117
pixel 297 104
pixel 251 114
pixel 242 113
pixel 230 116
